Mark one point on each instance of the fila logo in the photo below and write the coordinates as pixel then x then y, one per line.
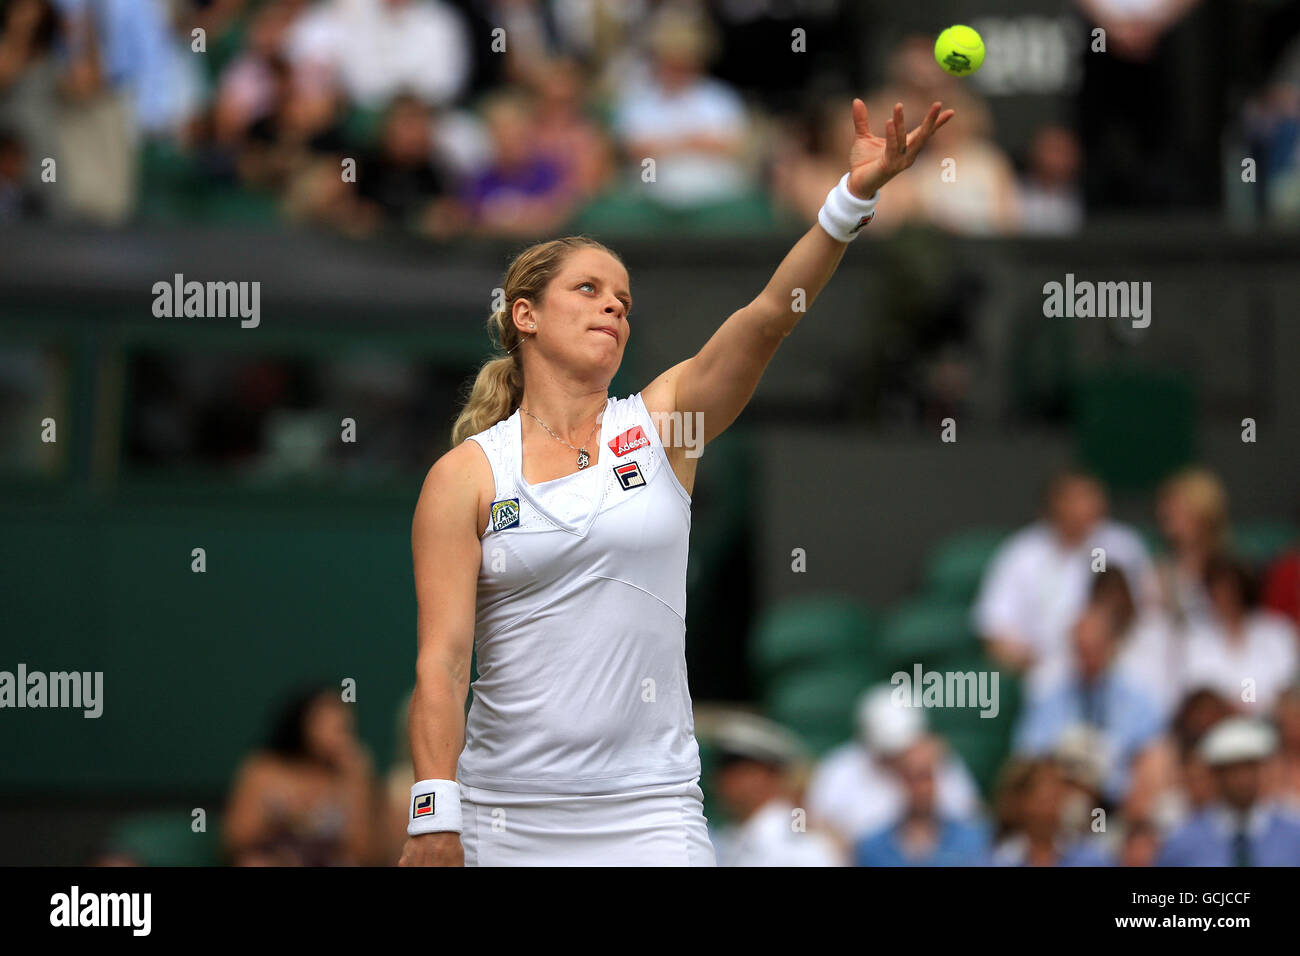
pixel 629 475
pixel 629 441
pixel 864 220
pixel 423 805
pixel 505 514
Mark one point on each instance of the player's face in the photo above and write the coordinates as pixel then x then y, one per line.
pixel 582 319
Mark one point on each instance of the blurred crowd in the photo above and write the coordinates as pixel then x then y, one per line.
pixel 524 117
pixel 1160 722
pixel 1159 725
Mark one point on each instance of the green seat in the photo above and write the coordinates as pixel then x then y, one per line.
pixel 957 565
pixel 927 631
pixel 165 839
pixel 817 705
pixel 810 633
pixel 1259 542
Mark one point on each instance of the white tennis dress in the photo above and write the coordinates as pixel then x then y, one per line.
pixel 580 740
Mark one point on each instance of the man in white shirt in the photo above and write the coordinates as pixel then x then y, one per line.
pixel 854 792
pixel 753 760
pixel 691 125
pixel 1039 581
pixel 376 49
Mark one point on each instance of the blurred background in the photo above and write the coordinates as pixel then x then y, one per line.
pixel 374 164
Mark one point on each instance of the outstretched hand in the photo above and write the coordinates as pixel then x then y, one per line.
pixel 874 161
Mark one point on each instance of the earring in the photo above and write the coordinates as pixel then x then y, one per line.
pixel 532 325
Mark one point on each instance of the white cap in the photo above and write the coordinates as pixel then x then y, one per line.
pixel 1236 739
pixel 886 727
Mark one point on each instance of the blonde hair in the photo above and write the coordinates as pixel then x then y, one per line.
pixel 499 386
pixel 1204 494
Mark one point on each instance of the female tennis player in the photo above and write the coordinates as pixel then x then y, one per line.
pixel 554 543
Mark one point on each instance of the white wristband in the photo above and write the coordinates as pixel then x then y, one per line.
pixel 843 214
pixel 435 807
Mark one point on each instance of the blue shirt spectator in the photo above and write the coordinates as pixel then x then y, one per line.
pixel 957 844
pixel 1266 836
pixel 1124 720
pixel 138 53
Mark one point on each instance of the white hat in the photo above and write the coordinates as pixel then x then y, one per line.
pixel 1236 739
pixel 757 738
pixel 887 727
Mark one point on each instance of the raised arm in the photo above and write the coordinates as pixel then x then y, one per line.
pixel 446 552
pixel 718 381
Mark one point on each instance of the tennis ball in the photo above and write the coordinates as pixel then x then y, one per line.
pixel 959 50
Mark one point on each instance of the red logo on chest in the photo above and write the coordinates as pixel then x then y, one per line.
pixel 629 441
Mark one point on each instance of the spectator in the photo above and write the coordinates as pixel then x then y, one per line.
pixel 1094 696
pixel 566 135
pixel 1051 199
pixel 309 798
pixel 1247 654
pixel 1240 828
pixel 1282 585
pixel 753 761
pixel 1192 511
pixel 1173 782
pixel 853 791
pixel 404 181
pixel 29 83
pixel 692 126
pixel 376 49
pixel 1140 844
pixel 18 200
pixel 809 156
pixel 523 192
pixel 301 126
pixel 251 86
pixel 922 835
pixel 1139 151
pixel 1286 715
pixel 1030 805
pixel 978 194
pixel 1038 582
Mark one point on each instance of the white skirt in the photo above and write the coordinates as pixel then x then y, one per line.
pixel 662 825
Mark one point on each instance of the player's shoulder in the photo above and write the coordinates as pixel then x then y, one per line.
pixel 460 473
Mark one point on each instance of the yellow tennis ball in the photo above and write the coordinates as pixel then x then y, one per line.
pixel 959 50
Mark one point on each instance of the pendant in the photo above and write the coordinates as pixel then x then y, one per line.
pixel 583 460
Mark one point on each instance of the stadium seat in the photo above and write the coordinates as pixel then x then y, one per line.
pixel 816 705
pixel 1259 542
pixel 818 632
pixel 957 564
pixel 165 839
pixel 928 631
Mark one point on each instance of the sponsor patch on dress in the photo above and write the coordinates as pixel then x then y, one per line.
pixel 629 441
pixel 629 475
pixel 505 514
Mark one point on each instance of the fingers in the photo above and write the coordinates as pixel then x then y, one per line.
pixel 900 138
pixel 860 126
pixel 933 121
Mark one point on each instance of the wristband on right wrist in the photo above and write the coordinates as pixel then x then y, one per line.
pixel 434 807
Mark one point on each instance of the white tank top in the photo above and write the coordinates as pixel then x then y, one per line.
pixel 580 625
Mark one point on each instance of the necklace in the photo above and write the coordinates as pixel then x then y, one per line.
pixel 583 458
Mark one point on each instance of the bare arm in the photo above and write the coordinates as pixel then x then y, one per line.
pixel 446 552
pixel 718 381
